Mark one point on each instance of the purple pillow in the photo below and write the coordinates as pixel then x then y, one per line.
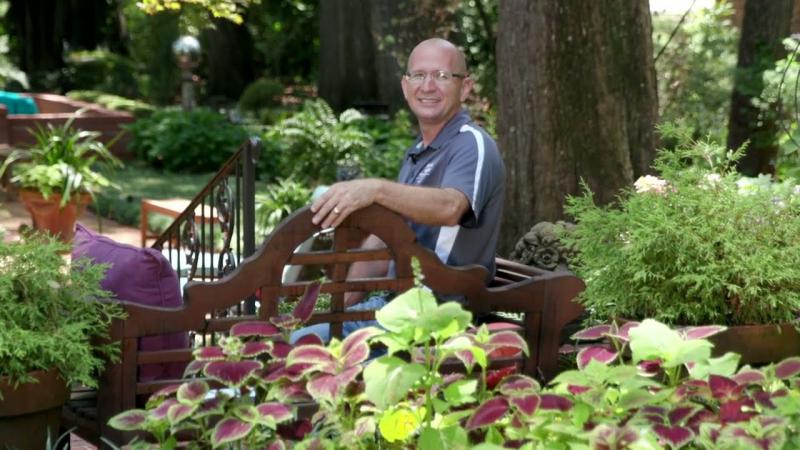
pixel 138 275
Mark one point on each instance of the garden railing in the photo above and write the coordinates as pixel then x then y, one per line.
pixel 216 230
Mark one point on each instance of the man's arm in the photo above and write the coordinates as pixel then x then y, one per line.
pixel 366 269
pixel 423 205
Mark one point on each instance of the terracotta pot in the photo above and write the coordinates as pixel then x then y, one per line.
pixel 30 410
pixel 48 216
pixel 758 344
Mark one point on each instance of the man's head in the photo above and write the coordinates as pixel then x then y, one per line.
pixel 436 81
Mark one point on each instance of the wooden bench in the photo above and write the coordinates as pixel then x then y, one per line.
pixel 542 299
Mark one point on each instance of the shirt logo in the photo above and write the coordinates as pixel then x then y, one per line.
pixel 424 173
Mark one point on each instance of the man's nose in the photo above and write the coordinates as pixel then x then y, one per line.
pixel 428 83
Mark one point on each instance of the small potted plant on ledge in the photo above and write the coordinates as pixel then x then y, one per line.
pixel 696 245
pixel 49 326
pixel 57 175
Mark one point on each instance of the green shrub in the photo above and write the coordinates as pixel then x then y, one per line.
pixel 391 139
pixel 698 245
pixel 280 200
pixel 200 140
pixel 309 145
pixel 113 102
pixel 260 94
pixel 101 70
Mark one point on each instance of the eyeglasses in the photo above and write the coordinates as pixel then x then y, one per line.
pixel 439 76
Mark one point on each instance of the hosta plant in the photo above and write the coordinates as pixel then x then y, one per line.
pixel 694 245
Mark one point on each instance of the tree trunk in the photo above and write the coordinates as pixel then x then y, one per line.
pixel 765 24
pixel 576 100
pixel 228 61
pixel 347 74
pixel 363 45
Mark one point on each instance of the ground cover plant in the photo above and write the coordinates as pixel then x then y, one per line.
pixel 639 386
pixel 697 244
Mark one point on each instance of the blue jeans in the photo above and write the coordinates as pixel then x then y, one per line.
pixel 323 330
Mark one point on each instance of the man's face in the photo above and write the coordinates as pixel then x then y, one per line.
pixel 435 102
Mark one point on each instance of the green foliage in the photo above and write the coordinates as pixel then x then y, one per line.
pixel 101 70
pixel 780 88
pixel 49 313
pixel 225 9
pixel 63 160
pixel 157 75
pixel 308 145
pixel 200 140
pixel 638 386
pixel 286 38
pixel 113 102
pixel 260 94
pixel 280 200
pixel 391 138
pixel 137 181
pixel 696 246
pixel 695 71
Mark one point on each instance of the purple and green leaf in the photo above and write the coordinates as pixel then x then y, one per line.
pixel 277 411
pixel 230 430
pixel 254 328
pixel 788 368
pixel 192 392
pixel 133 419
pixel 305 306
pixel 212 353
pixel 232 373
pixel 597 353
pixel 487 413
pixel 676 436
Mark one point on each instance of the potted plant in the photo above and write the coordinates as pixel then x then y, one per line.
pixel 49 326
pixel 57 175
pixel 696 245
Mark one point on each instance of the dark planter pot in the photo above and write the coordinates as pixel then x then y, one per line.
pixel 758 344
pixel 48 215
pixel 30 411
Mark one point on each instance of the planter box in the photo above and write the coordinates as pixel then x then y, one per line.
pixel 57 109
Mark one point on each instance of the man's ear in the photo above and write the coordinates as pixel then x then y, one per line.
pixel 404 86
pixel 466 88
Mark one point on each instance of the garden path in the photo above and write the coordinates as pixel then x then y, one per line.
pixel 13 216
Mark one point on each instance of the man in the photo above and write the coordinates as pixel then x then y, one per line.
pixel 451 184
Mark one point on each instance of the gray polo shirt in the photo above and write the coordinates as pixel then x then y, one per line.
pixel 464 157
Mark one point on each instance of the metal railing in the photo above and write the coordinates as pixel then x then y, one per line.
pixel 217 229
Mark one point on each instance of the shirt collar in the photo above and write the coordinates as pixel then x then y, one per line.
pixel 450 129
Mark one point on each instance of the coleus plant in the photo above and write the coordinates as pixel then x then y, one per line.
pixel 399 399
pixel 639 386
pixel 243 411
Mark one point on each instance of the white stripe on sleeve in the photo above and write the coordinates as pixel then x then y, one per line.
pixel 479 166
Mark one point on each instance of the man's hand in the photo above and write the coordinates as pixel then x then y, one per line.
pixel 342 199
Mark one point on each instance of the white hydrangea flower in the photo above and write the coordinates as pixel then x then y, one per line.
pixel 649 183
pixel 711 180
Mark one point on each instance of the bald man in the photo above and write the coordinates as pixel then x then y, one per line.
pixel 452 180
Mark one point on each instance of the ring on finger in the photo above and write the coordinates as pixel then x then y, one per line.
pixel 336 210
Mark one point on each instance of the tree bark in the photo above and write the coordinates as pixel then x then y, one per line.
pixel 576 101
pixel 765 24
pixel 228 60
pixel 347 74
